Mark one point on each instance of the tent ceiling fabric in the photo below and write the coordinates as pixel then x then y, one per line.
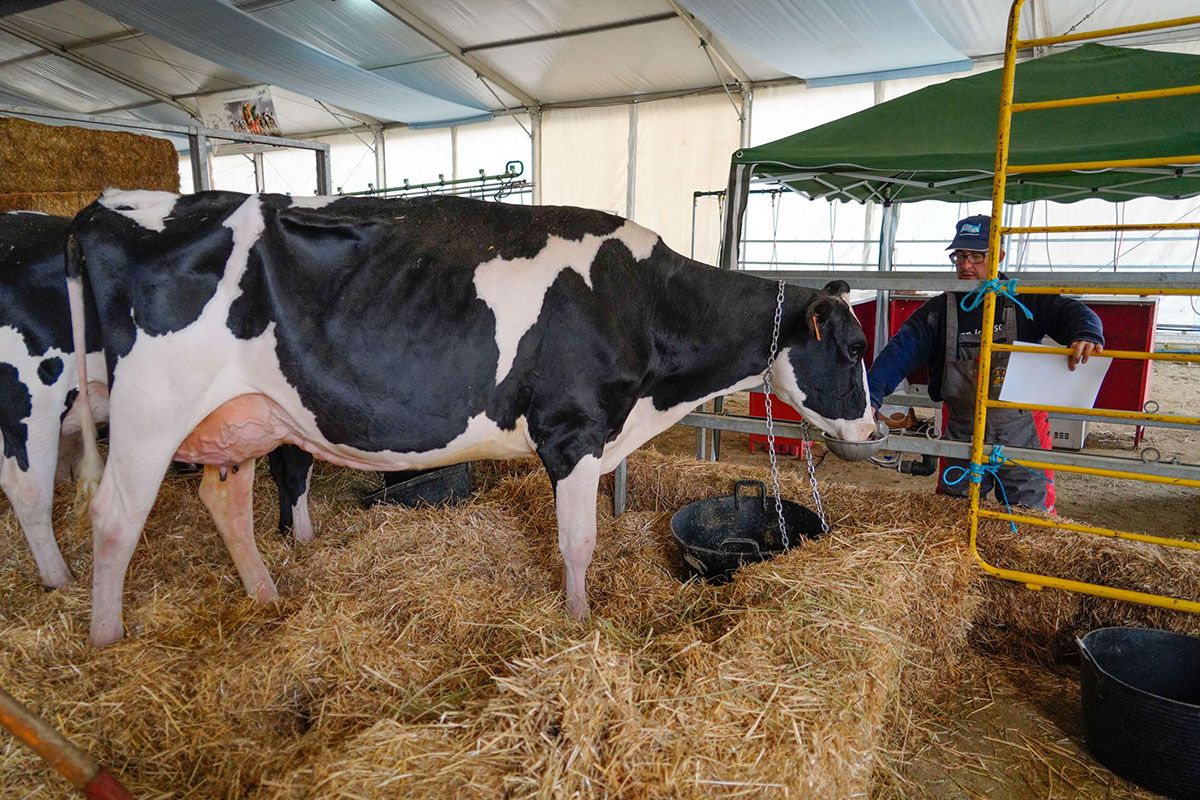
pixel 911 149
pixel 823 39
pixel 237 40
pixel 366 63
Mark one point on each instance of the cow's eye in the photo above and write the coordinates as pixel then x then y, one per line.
pixel 856 351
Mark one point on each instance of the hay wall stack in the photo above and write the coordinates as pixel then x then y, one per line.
pixel 60 169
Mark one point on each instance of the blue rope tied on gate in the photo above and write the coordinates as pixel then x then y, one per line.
pixel 1003 288
pixel 974 473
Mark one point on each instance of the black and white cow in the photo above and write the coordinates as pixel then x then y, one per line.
pixel 407 334
pixel 39 416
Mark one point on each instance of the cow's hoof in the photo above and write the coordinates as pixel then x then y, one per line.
pixel 100 638
pixel 56 582
pixel 265 593
pixel 578 609
pixel 303 532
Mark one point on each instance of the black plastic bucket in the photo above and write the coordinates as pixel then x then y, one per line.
pixel 432 487
pixel 718 535
pixel 1140 692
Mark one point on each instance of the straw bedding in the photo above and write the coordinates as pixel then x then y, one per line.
pixel 426 653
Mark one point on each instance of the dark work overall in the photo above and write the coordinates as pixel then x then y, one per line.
pixel 1007 426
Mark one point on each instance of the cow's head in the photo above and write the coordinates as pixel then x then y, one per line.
pixel 820 371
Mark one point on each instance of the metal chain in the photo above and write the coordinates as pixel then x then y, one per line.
pixel 770 421
pixel 812 478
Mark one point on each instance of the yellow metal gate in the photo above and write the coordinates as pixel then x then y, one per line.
pixel 982 402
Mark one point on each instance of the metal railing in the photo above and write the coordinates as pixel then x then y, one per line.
pixel 1003 169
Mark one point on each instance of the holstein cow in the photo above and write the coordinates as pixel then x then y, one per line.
pixel 415 333
pixel 39 413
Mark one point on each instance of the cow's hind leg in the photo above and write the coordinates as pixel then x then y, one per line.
pixel 31 493
pixel 575 505
pixel 229 499
pixel 291 468
pixel 127 491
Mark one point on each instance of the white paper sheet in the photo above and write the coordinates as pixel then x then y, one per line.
pixel 1046 379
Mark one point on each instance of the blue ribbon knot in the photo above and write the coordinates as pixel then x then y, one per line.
pixel 974 473
pixel 1004 288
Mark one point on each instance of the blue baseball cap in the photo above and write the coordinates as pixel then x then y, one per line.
pixel 972 233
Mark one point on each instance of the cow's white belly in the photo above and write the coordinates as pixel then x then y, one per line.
pixel 645 422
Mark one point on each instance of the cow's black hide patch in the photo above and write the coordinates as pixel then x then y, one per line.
pixel 49 370
pixel 16 405
pixel 33 286
pixel 154 281
pixel 70 401
pixel 381 332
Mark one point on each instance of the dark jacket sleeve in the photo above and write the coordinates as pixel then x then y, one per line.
pixel 907 350
pixel 1066 320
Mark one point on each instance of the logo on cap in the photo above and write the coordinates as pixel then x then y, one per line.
pixel 969 227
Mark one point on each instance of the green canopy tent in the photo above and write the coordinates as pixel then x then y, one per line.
pixel 938 143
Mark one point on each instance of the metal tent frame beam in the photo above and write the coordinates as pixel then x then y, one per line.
pixel 404 12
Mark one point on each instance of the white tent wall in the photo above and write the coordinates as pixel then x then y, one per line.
pixel 351 162
pixel 233 173
pixel 585 157
pixel 489 146
pixel 288 171
pixel 683 145
pixel 418 155
pixel 790 230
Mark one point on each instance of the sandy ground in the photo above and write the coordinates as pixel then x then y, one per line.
pixel 989 742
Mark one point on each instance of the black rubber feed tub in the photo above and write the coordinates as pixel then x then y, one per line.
pixel 718 535
pixel 1140 692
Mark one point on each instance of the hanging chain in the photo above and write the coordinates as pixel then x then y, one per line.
pixel 770 421
pixel 812 478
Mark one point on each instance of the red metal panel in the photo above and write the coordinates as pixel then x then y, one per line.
pixel 1128 325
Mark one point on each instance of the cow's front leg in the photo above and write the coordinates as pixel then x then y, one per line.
pixel 575 504
pixel 228 494
pixel 291 468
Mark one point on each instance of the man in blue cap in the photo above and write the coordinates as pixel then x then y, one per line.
pixel 944 337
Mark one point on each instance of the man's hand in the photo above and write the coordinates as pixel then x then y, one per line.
pixel 1080 351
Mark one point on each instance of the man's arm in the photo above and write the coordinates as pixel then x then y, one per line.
pixel 907 350
pixel 1071 324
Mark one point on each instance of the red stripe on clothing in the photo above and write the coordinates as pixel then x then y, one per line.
pixel 1041 423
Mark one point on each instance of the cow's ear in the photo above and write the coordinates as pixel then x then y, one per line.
pixel 837 288
pixel 817 314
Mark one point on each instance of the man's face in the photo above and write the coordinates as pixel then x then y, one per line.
pixel 971 265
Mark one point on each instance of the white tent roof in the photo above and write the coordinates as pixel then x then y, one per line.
pixel 435 62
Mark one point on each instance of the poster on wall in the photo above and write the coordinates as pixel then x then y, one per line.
pixel 242 110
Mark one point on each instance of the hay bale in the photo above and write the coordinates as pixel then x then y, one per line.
pixel 1042 625
pixel 36 158
pixel 63 204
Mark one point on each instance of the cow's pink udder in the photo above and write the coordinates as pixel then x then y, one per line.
pixel 248 426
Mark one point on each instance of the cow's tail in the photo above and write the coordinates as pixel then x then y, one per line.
pixel 91 467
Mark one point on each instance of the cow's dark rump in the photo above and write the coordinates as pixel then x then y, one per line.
pixel 32 282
